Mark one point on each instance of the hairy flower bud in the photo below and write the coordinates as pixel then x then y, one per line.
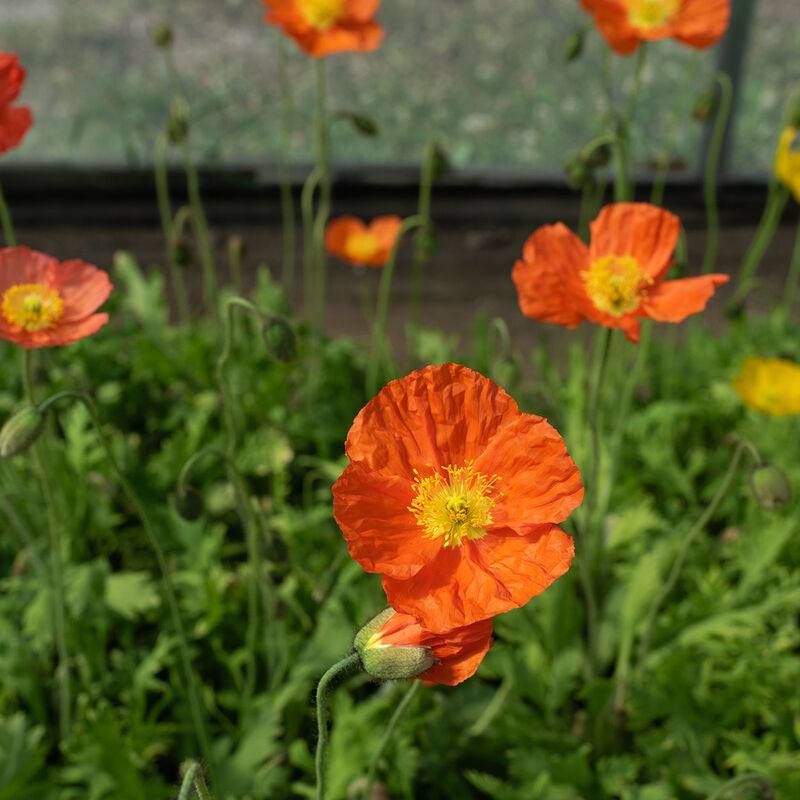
pixel 189 504
pixel 579 172
pixel 162 35
pixel 390 662
pixel 178 122
pixel 20 431
pixel 770 486
pixel 705 105
pixel 573 46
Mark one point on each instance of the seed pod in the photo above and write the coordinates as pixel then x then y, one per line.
pixel 162 36
pixel 280 340
pixel 20 431
pixel 573 46
pixel 770 486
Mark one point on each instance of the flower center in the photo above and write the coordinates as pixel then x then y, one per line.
pixel 31 306
pixel 454 505
pixel 362 246
pixel 321 14
pixel 614 284
pixel 652 13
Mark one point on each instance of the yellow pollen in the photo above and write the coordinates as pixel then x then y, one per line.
pixel 321 14
pixel 362 246
pixel 652 13
pixel 31 306
pixel 454 504
pixel 615 283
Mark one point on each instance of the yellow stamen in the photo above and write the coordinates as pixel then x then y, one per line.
pixel 652 13
pixel 32 307
pixel 321 13
pixel 454 505
pixel 615 284
pixel 362 246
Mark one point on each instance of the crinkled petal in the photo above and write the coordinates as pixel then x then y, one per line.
pixel 702 23
pixel 673 301
pixel 611 19
pixel 15 122
pixel 83 287
pixel 60 334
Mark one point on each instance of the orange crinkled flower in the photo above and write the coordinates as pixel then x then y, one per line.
pixel 14 120
pixel 453 494
pixel 458 652
pixel 322 27
pixel 351 240
pixel 44 302
pixel 626 23
pixel 614 281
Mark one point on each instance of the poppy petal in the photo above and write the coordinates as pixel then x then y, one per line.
pixel 15 121
pixel 673 301
pixel 701 23
pixel 83 287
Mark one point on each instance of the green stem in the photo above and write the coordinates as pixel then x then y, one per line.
pixel 382 309
pixel 165 213
pixel 307 213
pixel 624 187
pixel 169 589
pixel 776 201
pixel 323 210
pixel 193 779
pixel 688 541
pixel 420 244
pixel 63 678
pixel 5 219
pixel 712 166
pixel 287 201
pixel 792 279
pixel 587 209
pixel 387 735
pixel 324 688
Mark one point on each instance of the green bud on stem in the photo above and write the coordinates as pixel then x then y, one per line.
pixel 573 46
pixel 20 431
pixel 770 486
pixel 280 341
pixel 189 504
pixel 162 35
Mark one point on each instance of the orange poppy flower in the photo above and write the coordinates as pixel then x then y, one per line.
pixel 626 23
pixel 14 120
pixel 351 240
pixel 453 494
pixel 322 27
pixel 44 302
pixel 615 280
pixel 456 654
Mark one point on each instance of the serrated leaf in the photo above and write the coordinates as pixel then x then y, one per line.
pixel 131 594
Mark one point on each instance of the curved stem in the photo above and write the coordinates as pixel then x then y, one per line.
pixel 387 735
pixel 5 220
pixel 323 210
pixel 692 534
pixel 792 279
pixel 165 213
pixel 382 310
pixel 169 589
pixel 776 201
pixel 287 201
pixel 324 687
pixel 712 165
pixel 193 780
pixel 63 677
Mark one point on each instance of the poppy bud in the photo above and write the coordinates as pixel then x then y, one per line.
pixel 579 173
pixel 441 163
pixel 188 504
pixel 390 662
pixel 237 249
pixel 20 431
pixel 178 122
pixel 746 787
pixel 573 47
pixel 280 340
pixel 361 123
pixel 770 486
pixel 598 155
pixel 428 243
pixel 705 105
pixel 162 35
pixel 181 255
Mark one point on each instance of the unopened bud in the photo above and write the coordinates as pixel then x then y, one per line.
pixel 20 431
pixel 181 255
pixel 237 249
pixel 597 155
pixel 705 105
pixel 363 124
pixel 189 504
pixel 746 787
pixel 441 166
pixel 162 35
pixel 573 47
pixel 178 122
pixel 578 171
pixel 770 486
pixel 280 340
pixel 390 662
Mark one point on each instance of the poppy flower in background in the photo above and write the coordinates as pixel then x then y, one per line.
pixel 618 278
pixel 14 120
pixel 787 160
pixel 770 385
pixel 400 644
pixel 44 302
pixel 626 23
pixel 453 494
pixel 351 240
pixel 322 27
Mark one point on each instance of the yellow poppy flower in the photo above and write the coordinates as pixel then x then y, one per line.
pixel 787 160
pixel 770 385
